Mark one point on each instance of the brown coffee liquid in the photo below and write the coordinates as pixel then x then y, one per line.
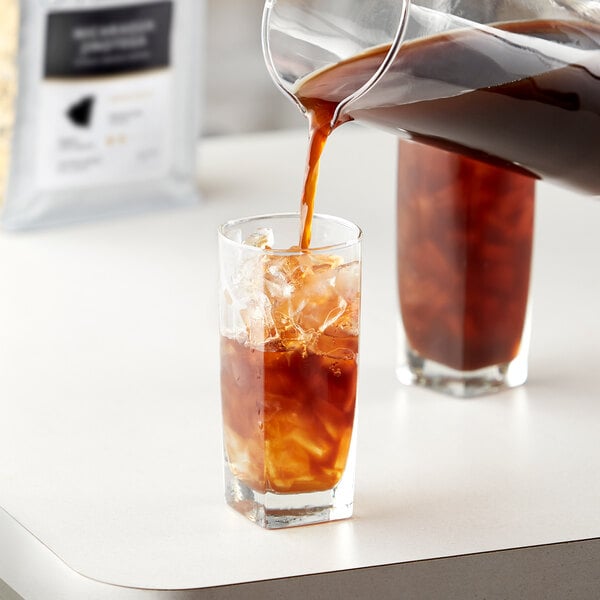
pixel 482 101
pixel 288 415
pixel 465 233
pixel 320 128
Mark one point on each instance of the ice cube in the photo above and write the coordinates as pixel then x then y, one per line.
pixel 317 302
pixel 280 277
pixel 322 262
pixel 347 282
pixel 258 319
pixel 263 238
pixel 338 308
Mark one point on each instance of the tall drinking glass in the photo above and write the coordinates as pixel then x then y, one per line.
pixel 289 359
pixel 464 240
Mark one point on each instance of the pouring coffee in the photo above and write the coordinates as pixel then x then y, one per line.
pixel 513 85
pixel 512 82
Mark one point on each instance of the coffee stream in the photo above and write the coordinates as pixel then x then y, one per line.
pixel 319 132
pixel 546 125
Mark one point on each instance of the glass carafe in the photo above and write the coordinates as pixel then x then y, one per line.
pixel 515 83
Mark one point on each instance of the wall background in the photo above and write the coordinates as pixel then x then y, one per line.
pixel 239 95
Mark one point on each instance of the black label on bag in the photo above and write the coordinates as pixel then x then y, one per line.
pixel 108 41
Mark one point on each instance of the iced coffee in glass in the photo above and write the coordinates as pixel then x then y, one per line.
pixel 289 324
pixel 465 232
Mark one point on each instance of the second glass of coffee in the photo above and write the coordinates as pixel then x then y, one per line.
pixel 465 231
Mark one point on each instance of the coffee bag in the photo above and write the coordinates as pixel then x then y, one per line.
pixel 98 108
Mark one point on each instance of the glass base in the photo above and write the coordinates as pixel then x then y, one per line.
pixel 276 511
pixel 416 370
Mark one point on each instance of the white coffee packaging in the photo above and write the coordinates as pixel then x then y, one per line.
pixel 98 108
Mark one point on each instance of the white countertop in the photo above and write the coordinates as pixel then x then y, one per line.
pixel 110 435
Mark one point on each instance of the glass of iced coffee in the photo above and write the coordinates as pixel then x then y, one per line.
pixel 289 324
pixel 465 232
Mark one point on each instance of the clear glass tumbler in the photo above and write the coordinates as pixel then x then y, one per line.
pixel 464 244
pixel 289 324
